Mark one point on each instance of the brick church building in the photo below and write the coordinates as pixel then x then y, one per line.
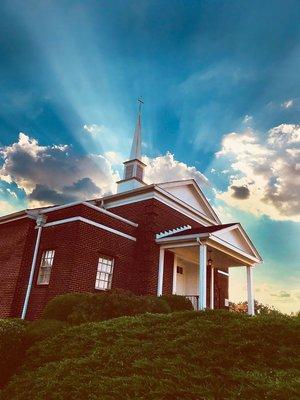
pixel 151 239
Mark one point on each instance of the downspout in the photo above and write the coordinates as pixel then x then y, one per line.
pixel 40 221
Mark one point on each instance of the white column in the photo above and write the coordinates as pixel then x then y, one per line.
pixel 202 275
pixel 250 290
pixel 174 275
pixel 160 272
pixel 212 292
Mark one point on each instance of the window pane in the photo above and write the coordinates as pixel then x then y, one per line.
pixel 104 273
pixel 45 267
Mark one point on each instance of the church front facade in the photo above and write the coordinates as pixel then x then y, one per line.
pixel 150 239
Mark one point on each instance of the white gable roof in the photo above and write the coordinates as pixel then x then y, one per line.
pixel 236 237
pixel 190 193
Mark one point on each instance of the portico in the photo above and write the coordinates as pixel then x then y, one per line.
pixel 203 256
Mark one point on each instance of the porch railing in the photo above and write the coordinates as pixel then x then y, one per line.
pixel 194 299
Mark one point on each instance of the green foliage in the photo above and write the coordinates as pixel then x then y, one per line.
pixel 12 347
pixel 259 308
pixel 78 308
pixel 43 328
pixel 178 303
pixel 62 306
pixel 184 355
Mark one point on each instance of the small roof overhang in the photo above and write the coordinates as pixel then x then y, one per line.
pixel 209 235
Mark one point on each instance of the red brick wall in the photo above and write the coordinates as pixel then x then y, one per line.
pixel 77 248
pixel 94 215
pixel 152 217
pixel 168 272
pixel 15 240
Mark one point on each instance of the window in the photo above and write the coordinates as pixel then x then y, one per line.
pixel 45 267
pixel 179 270
pixel 104 273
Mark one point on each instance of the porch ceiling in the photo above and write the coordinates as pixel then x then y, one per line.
pixel 220 259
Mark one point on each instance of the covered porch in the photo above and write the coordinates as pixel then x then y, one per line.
pixel 203 258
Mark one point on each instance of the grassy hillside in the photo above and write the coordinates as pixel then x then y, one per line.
pixel 186 355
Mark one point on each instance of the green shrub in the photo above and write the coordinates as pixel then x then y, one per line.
pixel 61 307
pixel 180 356
pixel 12 347
pixel 43 328
pixel 78 308
pixel 178 303
pixel 113 304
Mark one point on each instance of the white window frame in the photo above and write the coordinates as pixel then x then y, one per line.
pixel 104 274
pixel 45 267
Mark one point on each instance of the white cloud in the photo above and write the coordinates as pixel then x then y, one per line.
pixel 166 168
pixel 6 207
pixel 51 174
pixel 287 104
pixel 266 173
pixel 247 119
pixel 113 157
pixel 93 129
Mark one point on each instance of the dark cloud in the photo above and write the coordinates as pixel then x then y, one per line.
pixel 84 186
pixel 80 190
pixel 45 194
pixel 55 174
pixel 240 192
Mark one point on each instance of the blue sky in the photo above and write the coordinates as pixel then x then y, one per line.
pixel 70 74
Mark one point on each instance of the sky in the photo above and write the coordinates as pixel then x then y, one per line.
pixel 221 89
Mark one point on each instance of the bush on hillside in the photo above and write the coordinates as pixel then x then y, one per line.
pixel 13 345
pixel 78 308
pixel 61 307
pixel 259 308
pixel 180 356
pixel 43 328
pixel 178 303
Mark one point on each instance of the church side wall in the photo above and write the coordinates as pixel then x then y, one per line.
pixel 14 240
pixel 77 248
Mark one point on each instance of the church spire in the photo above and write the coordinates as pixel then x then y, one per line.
pixel 136 148
pixel 134 167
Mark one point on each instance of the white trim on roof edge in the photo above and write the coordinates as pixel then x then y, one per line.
pixel 113 215
pixel 193 183
pixel 91 205
pixel 90 222
pixel 13 219
pixel 163 199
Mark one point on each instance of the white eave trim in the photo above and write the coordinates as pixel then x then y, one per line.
pixel 162 198
pixel 27 215
pixel 234 249
pixel 182 238
pixel 186 205
pixel 87 204
pixel 13 219
pixel 168 241
pixel 193 183
pixel 90 222
pixel 102 210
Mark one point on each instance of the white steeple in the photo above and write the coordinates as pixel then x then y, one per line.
pixel 134 167
pixel 136 151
